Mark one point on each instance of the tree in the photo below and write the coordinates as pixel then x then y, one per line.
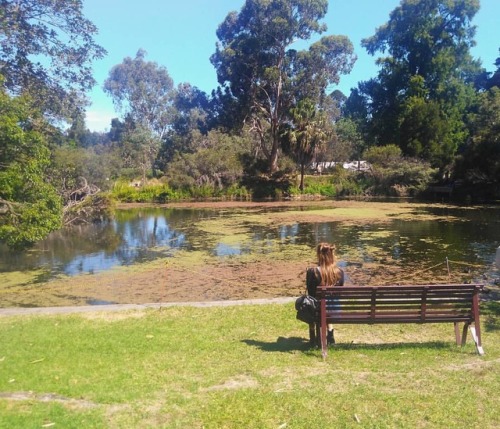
pixel 78 131
pixel 428 74
pixel 30 207
pixel 262 76
pixel 192 116
pixel 495 78
pixel 47 47
pixel 193 110
pixel 142 147
pixel 216 164
pixel 309 131
pixel 349 140
pixel 143 90
pixel 479 164
pixel 393 174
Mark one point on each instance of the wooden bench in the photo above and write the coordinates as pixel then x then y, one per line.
pixel 440 303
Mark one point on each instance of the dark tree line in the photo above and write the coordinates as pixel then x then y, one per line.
pixel 430 96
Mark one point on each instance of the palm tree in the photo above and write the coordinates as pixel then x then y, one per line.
pixel 308 132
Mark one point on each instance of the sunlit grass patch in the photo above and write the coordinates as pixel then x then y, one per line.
pixel 244 366
pixel 21 278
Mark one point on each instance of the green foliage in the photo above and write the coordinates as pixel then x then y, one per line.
pixel 339 182
pixel 494 80
pixel 125 192
pixel 425 132
pixel 238 192
pixel 383 155
pixel 216 164
pixel 350 141
pixel 264 186
pixel 479 164
pixel 347 183
pixel 140 147
pixel 307 133
pixel 393 174
pixel 95 208
pixel 424 85
pixel 143 90
pixel 314 187
pixel 47 49
pixel 163 193
pixel 97 164
pixel 30 207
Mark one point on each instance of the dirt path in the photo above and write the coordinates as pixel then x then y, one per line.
pixel 124 307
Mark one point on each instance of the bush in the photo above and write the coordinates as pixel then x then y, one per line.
pixel 159 193
pixel 238 192
pixel 394 175
pixel 267 187
pixel 340 182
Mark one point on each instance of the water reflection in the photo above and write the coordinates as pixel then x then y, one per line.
pixel 92 248
pixel 139 235
pixel 226 250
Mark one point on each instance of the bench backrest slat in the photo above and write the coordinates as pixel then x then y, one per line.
pixel 399 304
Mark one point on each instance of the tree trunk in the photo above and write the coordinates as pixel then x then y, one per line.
pixel 302 171
pixel 273 156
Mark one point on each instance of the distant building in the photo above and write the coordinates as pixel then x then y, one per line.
pixel 319 167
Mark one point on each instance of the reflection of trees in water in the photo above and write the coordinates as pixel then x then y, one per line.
pixel 81 240
pixel 175 217
pixel 89 248
pixel 140 238
pixel 62 246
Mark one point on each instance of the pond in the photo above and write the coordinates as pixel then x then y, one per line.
pixel 369 236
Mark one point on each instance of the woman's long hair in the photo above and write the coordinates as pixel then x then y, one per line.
pixel 330 273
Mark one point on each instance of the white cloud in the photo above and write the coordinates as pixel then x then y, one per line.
pixel 99 120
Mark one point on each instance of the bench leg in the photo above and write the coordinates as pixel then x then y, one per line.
pixel 464 333
pixel 312 334
pixel 479 348
pixel 324 348
pixel 457 334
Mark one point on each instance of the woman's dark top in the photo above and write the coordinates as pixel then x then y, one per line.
pixel 313 280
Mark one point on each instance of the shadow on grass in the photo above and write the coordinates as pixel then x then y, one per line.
pixel 287 345
pixel 282 344
pixel 491 313
pixel 431 345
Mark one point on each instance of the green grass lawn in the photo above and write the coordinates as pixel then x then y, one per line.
pixel 241 367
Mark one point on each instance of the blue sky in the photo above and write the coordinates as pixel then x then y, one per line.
pixel 180 36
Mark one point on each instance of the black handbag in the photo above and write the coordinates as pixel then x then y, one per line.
pixel 307 308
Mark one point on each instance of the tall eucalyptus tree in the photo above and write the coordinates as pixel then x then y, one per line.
pixel 262 74
pixel 144 91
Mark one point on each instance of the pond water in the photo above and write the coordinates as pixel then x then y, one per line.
pixel 145 234
pixel 138 235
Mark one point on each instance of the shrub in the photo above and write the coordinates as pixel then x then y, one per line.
pixel 237 192
pixel 159 193
pixel 394 175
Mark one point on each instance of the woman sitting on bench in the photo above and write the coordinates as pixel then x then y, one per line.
pixel 325 274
